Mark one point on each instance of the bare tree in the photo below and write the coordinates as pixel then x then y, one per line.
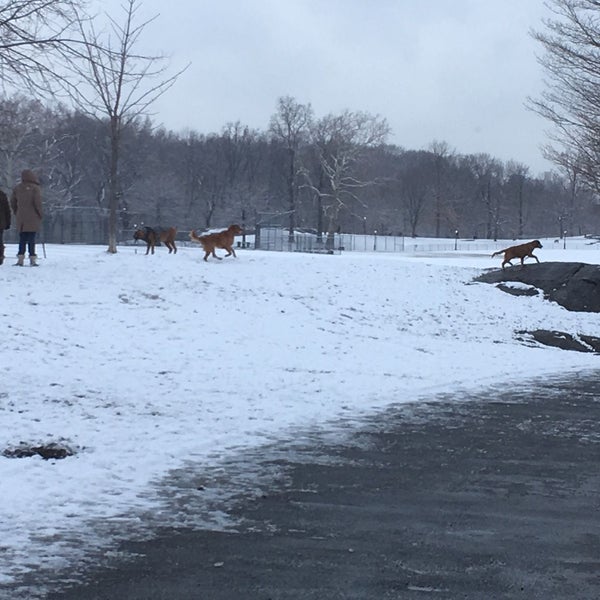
pixel 290 127
pixel 571 182
pixel 213 178
pixel 115 84
pixel 441 153
pixel 191 171
pixel 36 36
pixel 488 173
pixel 241 166
pixel 414 186
pixel 571 41
pixel 341 141
pixel 212 169
pixel 516 178
pixel 19 120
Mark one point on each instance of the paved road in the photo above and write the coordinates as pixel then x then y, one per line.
pixel 492 497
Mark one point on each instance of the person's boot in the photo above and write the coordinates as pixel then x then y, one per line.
pixel 33 260
pixel 1 253
pixel 20 260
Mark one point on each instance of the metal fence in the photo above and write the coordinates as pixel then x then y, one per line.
pixel 278 239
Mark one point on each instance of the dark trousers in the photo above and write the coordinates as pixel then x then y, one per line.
pixel 1 243
pixel 27 238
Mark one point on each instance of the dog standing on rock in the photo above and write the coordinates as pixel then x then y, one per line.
pixel 217 239
pixel 521 251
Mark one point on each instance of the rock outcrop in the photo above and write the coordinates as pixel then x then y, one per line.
pixel 576 286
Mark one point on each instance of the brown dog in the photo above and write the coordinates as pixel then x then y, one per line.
pixel 521 251
pixel 152 237
pixel 217 239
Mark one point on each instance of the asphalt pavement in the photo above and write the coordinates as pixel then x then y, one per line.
pixel 488 496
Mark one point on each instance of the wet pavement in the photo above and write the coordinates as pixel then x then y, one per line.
pixel 492 496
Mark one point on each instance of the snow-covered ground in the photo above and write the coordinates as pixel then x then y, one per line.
pixel 143 364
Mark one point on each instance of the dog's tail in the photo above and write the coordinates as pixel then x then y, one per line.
pixel 197 238
pixel 499 252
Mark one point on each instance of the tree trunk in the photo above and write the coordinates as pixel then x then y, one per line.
pixel 113 197
pixel 319 219
pixel 521 215
pixel 292 195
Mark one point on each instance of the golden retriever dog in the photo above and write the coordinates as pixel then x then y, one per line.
pixel 521 251
pixel 217 239
pixel 154 237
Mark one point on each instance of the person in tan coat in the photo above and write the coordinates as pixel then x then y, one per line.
pixel 26 203
pixel 4 221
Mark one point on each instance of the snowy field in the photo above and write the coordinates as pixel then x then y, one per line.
pixel 145 364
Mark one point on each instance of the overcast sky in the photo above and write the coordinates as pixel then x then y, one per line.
pixel 457 71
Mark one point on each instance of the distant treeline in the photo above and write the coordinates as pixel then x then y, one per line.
pixel 194 180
